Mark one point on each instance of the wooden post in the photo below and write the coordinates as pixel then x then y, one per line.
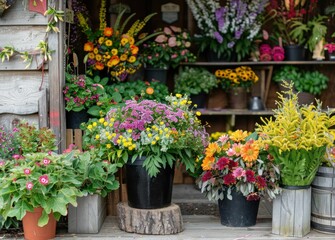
pixel 292 213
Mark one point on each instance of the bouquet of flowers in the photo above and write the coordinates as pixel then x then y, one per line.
pixel 239 77
pixel 169 48
pixel 113 48
pixel 228 30
pixel 238 161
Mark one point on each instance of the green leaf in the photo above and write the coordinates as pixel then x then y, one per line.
pixel 43 220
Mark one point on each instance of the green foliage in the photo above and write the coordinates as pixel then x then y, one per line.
pixel 304 81
pixel 194 81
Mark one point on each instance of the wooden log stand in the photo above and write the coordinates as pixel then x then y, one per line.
pixel 159 221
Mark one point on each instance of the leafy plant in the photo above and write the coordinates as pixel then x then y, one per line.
pixel 297 137
pixel 194 81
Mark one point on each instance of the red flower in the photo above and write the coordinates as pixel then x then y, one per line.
pixel 229 179
pixel 250 175
pixel 26 171
pixel 222 163
pixel 232 164
pixel 44 179
pixel 29 185
pixel 253 197
pixel 206 176
pixel 260 183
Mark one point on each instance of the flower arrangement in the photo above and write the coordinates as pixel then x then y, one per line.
pixel 163 133
pixel 242 76
pixel 192 81
pixel 330 47
pixel 46 180
pixel 113 48
pixel 170 48
pixel 267 53
pixel 81 91
pixel 238 161
pixel 297 137
pixel 228 30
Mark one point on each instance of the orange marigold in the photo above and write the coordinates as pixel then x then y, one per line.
pixel 149 90
pixel 99 66
pixel 88 47
pixel 108 31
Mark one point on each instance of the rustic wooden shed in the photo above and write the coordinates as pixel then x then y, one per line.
pixel 35 92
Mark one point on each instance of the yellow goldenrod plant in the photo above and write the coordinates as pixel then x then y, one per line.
pixel 297 137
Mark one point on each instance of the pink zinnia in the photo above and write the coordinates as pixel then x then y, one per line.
pixel 29 185
pixel 46 161
pixel 44 179
pixel 27 171
pixel 239 173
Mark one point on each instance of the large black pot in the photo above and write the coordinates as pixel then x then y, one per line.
pixel 294 53
pixel 156 74
pixel 74 119
pixel 147 192
pixel 238 212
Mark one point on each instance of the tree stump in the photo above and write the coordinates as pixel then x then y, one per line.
pixel 161 221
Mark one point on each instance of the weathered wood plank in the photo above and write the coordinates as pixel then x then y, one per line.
pixel 9 120
pixel 22 38
pixel 20 8
pixel 43 104
pixel 19 91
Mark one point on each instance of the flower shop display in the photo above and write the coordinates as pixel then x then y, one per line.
pixel 297 138
pixel 237 83
pixel 43 181
pixel 237 171
pixel 113 49
pixel 196 83
pixel 157 134
pixel 227 31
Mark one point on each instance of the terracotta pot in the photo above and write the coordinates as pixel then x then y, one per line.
pixel 32 231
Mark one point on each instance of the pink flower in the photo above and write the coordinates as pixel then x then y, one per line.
pixel 167 31
pixel 44 179
pixel 26 171
pixel 161 38
pixel 176 29
pixel 29 185
pixel 17 156
pixel 239 173
pixel 224 138
pixel 265 57
pixel 278 57
pixel 231 152
pixel 172 42
pixel 46 161
pixel 2 163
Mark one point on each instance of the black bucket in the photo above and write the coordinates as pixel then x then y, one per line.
pixel 238 212
pixel 74 119
pixel 147 192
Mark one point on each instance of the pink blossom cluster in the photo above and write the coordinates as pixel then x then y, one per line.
pixel 267 53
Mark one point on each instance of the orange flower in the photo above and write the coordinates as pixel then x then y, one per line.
pixel 212 148
pixel 250 151
pixel 207 163
pixel 108 31
pixel 134 49
pixel 99 66
pixel 149 90
pixel 88 47
pixel 114 60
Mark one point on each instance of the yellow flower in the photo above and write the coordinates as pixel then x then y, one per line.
pixel 94 124
pixel 238 135
pixel 123 57
pixel 108 145
pixel 101 40
pixel 109 43
pixel 114 51
pixel 132 59
pixel 178 95
pixel 124 41
pixel 97 137
pixel 198 113
pixel 101 120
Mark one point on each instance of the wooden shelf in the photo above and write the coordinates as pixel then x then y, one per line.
pixel 230 112
pixel 249 63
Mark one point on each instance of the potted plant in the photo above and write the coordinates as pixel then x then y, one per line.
pixel 80 93
pixel 294 24
pixel 170 48
pixel 237 83
pixel 37 189
pixel 227 32
pixel 237 171
pixel 150 137
pixel 196 83
pixel 297 138
pixel 98 179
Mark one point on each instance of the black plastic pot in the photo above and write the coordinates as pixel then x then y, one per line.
pixel 74 119
pixel 238 212
pixel 199 99
pixel 147 192
pixel 294 53
pixel 156 74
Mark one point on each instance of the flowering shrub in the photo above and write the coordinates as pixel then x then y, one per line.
pixel 25 138
pixel 46 180
pixel 170 48
pixel 163 133
pixel 113 48
pixel 81 92
pixel 239 77
pixel 228 30
pixel 238 161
